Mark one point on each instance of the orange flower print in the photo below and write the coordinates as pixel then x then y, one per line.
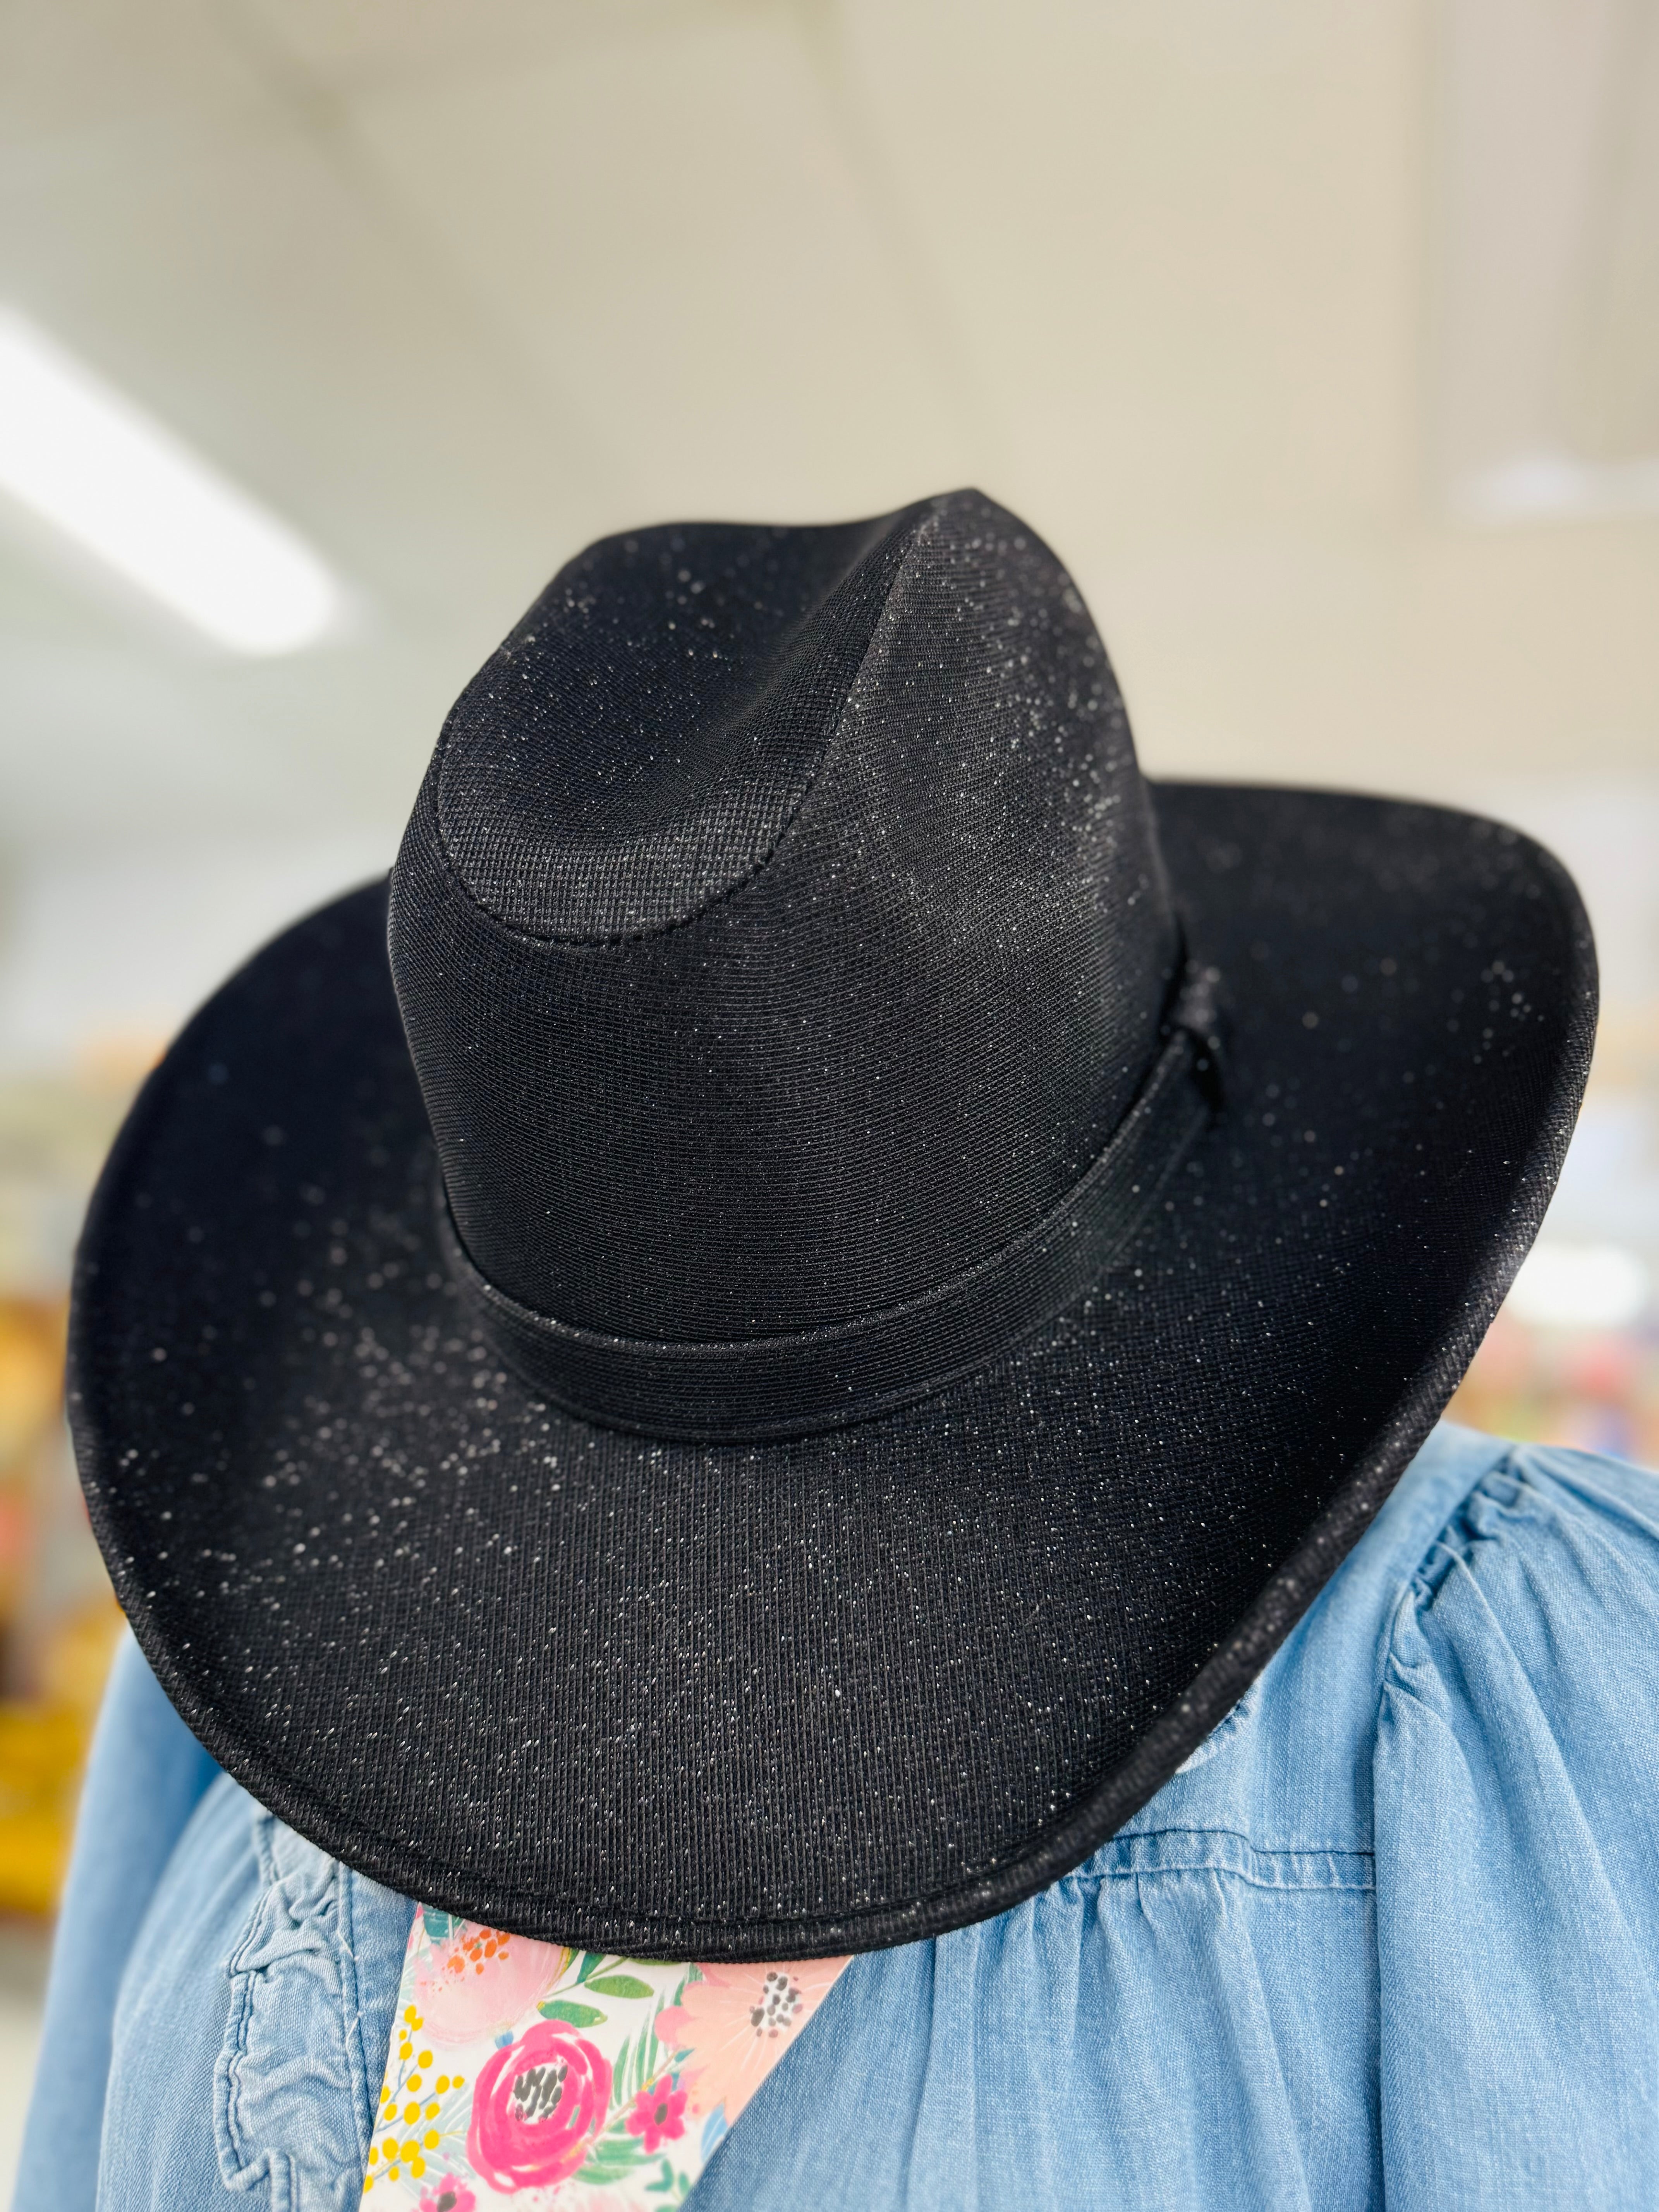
pixel 734 2024
pixel 477 1981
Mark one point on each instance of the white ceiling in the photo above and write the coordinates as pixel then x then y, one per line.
pixel 455 285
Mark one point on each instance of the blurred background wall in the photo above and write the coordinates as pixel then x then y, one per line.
pixel 1321 338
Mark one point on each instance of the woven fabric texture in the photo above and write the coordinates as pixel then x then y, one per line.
pixel 820 1085
pixel 839 1689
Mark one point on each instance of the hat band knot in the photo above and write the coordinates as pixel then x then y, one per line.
pixel 799 1381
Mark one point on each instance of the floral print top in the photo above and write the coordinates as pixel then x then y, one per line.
pixel 566 2079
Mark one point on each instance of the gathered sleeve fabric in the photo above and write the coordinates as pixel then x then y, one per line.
pixel 1181 2027
pixel 1516 1820
pixel 144 1779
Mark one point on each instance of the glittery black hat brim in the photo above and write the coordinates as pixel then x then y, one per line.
pixel 845 1689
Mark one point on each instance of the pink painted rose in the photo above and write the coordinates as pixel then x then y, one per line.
pixel 449 2194
pixel 536 2107
pixel 477 1981
pixel 659 2114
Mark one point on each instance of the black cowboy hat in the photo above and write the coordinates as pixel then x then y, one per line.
pixel 756 1385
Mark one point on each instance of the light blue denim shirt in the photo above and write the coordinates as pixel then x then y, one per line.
pixel 1390 1937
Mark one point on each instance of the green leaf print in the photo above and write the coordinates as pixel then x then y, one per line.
pixel 574 2016
pixel 618 1985
pixel 614 2154
pixel 645 2059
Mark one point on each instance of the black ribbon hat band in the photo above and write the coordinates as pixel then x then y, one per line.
pixel 799 1381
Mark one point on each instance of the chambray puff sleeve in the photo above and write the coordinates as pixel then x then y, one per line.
pixel 1516 1811
pixel 145 1778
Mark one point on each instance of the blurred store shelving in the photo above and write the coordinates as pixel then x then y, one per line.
pixel 101 957
pixel 58 1621
pixel 1573 1357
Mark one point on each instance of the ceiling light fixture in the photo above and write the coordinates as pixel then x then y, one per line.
pixel 1580 1286
pixel 127 489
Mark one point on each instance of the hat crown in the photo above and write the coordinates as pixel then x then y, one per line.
pixel 781 928
pixel 640 741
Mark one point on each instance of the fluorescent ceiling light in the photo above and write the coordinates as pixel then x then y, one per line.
pixel 105 474
pixel 1580 1286
pixel 1547 487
